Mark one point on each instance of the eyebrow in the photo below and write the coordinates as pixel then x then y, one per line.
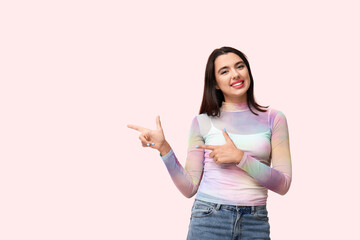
pixel 227 66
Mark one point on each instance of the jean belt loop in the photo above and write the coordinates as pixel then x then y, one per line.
pixel 253 209
pixel 218 205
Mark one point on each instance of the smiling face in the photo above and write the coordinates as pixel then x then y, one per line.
pixel 232 77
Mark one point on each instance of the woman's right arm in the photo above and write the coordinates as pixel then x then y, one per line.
pixel 187 179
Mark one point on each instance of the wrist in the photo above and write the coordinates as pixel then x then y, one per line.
pixel 165 148
pixel 241 155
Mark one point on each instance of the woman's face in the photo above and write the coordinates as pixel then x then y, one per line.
pixel 232 77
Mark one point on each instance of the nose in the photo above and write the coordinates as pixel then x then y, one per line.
pixel 235 74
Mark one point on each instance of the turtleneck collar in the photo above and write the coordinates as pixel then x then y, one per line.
pixel 234 107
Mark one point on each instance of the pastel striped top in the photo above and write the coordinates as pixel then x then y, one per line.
pixel 266 163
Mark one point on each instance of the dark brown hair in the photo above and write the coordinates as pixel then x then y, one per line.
pixel 213 98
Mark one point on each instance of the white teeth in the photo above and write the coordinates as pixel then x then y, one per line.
pixel 237 84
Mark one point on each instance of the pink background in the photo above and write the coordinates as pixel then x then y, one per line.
pixel 74 73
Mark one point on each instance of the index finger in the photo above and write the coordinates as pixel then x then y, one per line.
pixel 138 128
pixel 158 123
pixel 202 146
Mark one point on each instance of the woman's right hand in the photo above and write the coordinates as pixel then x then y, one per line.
pixel 153 138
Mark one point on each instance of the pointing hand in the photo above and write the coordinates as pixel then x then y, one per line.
pixel 227 153
pixel 152 138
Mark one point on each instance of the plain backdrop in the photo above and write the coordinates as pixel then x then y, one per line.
pixel 75 73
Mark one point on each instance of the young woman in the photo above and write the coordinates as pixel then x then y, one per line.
pixel 232 144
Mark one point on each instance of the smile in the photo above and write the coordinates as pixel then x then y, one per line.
pixel 238 84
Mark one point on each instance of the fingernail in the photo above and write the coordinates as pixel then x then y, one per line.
pixel 197 146
pixel 224 130
pixel 147 144
pixel 152 144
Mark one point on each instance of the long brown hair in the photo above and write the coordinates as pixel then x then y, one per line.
pixel 212 97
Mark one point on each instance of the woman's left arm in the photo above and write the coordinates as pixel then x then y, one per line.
pixel 278 177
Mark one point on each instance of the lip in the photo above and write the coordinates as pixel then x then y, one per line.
pixel 237 82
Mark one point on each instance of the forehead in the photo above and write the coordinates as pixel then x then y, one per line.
pixel 228 59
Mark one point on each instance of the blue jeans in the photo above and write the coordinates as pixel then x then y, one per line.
pixel 212 221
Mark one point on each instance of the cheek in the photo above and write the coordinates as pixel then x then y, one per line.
pixel 248 85
pixel 247 77
pixel 221 82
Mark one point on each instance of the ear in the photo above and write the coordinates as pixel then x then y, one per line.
pixel 217 87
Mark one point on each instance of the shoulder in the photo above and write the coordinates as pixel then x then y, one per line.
pixel 202 122
pixel 275 112
pixel 277 118
pixel 203 117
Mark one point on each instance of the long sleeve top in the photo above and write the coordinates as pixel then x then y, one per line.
pixel 266 163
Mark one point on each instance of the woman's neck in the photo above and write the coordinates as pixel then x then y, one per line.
pixel 234 107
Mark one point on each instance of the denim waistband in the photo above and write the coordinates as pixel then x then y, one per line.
pixel 244 209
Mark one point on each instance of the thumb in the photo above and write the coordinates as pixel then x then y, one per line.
pixel 158 123
pixel 227 137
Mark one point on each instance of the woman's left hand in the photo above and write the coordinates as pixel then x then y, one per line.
pixel 227 153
